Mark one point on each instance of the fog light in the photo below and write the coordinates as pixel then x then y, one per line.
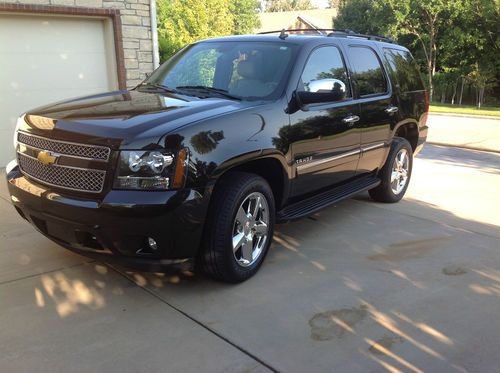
pixel 152 244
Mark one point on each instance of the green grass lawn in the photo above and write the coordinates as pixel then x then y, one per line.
pixel 455 109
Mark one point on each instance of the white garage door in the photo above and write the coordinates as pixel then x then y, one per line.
pixel 49 58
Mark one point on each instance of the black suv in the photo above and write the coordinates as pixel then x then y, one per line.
pixel 225 139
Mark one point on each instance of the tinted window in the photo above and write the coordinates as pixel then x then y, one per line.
pixel 367 71
pixel 245 69
pixel 404 70
pixel 324 63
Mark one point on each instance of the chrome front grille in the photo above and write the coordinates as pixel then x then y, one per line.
pixel 68 148
pixel 64 174
pixel 70 178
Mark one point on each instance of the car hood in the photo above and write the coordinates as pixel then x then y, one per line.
pixel 124 119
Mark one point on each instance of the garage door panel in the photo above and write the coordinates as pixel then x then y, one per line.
pixel 7 136
pixel 86 34
pixel 80 70
pixel 48 58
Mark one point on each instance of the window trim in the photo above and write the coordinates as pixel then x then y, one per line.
pixel 388 82
pixel 346 67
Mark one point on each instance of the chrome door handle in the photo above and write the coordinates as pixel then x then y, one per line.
pixel 392 109
pixel 351 119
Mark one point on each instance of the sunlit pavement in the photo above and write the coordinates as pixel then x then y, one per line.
pixel 479 133
pixel 359 287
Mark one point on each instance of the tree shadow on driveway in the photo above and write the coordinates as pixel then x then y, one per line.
pixel 358 287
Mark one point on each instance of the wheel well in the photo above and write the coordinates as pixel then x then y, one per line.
pixel 410 133
pixel 271 170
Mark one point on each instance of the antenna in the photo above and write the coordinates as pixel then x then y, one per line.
pixel 283 34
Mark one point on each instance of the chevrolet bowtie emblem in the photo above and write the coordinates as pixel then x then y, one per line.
pixel 46 157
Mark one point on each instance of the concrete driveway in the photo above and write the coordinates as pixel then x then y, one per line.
pixel 359 287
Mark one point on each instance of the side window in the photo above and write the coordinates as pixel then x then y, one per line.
pixel 367 71
pixel 325 71
pixel 404 70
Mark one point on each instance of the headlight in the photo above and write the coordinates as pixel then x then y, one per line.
pixel 151 170
pixel 19 123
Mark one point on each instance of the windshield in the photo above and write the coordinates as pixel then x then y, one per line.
pixel 244 70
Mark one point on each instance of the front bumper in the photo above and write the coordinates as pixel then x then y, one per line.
pixel 116 227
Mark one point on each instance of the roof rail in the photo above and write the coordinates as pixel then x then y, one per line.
pixel 366 36
pixel 301 29
pixel 331 32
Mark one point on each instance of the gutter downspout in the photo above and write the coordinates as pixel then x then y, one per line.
pixel 154 34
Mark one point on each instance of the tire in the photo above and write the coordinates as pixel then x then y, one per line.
pixel 391 192
pixel 232 214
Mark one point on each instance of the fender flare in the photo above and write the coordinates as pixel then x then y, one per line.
pixel 240 161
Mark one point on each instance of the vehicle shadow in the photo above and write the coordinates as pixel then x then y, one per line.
pixel 359 283
pixel 353 283
pixel 484 161
pixel 339 265
pixel 289 237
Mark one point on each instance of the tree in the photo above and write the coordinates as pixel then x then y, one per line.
pixel 423 21
pixel 472 46
pixel 245 13
pixel 445 84
pixel 181 22
pixel 426 20
pixel 335 4
pixel 364 16
pixel 483 77
pixel 287 5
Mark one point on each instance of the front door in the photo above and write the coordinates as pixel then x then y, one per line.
pixel 324 138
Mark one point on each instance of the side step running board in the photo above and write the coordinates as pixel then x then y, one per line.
pixel 315 203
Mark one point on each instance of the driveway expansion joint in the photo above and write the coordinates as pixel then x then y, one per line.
pixel 45 273
pixel 198 322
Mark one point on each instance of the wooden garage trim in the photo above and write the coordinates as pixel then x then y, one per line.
pixel 114 14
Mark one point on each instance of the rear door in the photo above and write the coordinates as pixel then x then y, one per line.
pixel 378 108
pixel 324 138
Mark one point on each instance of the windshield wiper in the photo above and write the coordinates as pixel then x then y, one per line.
pixel 219 91
pixel 157 86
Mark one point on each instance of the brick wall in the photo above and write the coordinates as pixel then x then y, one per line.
pixel 136 31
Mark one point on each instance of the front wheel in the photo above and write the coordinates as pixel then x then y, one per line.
pixel 395 174
pixel 239 227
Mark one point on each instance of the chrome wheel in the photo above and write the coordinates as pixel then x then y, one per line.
pixel 400 171
pixel 250 229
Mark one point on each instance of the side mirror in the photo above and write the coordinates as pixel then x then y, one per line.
pixel 322 90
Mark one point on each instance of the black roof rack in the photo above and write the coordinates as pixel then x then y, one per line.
pixel 331 32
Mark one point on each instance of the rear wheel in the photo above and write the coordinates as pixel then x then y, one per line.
pixel 240 227
pixel 396 173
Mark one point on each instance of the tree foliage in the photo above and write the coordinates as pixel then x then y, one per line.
pixel 458 40
pixel 181 22
pixel 364 16
pixel 287 5
pixel 245 15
